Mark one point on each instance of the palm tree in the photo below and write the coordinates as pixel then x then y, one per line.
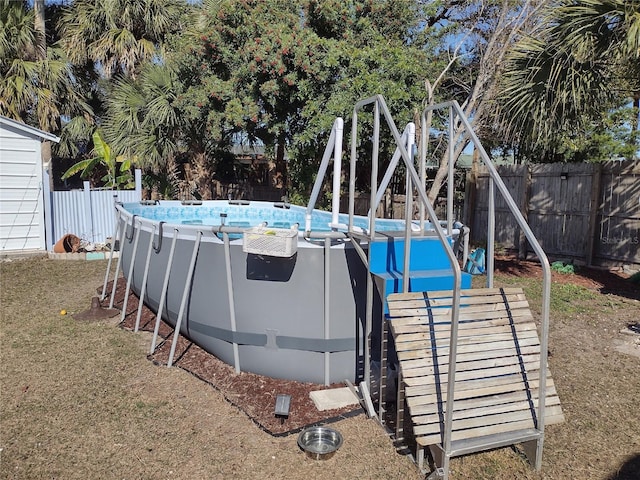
pixel 36 83
pixel 144 122
pixel 120 35
pixel 583 60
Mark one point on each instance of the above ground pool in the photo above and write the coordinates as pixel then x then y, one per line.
pixel 295 313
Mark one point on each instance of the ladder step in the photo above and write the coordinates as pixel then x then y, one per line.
pixel 487 442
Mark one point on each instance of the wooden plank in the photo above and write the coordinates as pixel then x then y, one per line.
pixel 415 341
pixel 413 355
pixel 486 390
pixel 485 363
pixel 471 292
pixel 403 310
pixel 443 346
pixel 468 328
pixel 418 318
pixel 397 315
pixel 426 440
pixel 502 416
pixel 474 375
pixel 470 404
pixel 533 375
pixel 464 302
pixel 422 341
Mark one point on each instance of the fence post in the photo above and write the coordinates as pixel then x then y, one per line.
pixel 596 182
pixel 523 244
pixel 87 221
pixel 138 180
pixel 48 211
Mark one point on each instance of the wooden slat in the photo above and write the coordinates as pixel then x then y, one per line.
pixel 485 420
pixel 418 317
pixel 443 368
pixel 487 389
pixel 465 302
pixel 440 330
pixel 427 356
pixel 427 440
pixel 421 341
pixel 472 292
pixel 525 342
pixel 470 405
pixel 507 378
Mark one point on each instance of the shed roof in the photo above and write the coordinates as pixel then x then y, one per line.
pixel 29 129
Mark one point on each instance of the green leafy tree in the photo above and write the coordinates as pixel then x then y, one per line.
pixel 279 72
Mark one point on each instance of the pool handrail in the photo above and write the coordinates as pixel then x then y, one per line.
pixel 496 181
pixel 334 146
pixel 380 107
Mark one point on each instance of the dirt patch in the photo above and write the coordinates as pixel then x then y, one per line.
pixel 253 394
pixel 600 280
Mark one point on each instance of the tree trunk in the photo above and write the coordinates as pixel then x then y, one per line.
pixel 39 25
pixel 41 52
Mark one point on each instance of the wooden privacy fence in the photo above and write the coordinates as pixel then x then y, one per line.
pixel 586 212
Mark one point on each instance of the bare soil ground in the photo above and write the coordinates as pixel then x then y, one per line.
pixel 79 399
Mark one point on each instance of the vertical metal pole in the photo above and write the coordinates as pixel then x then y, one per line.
pixel 113 247
pixel 451 182
pixel 491 232
pixel 143 288
pixel 372 234
pixel 337 171
pixel 451 379
pixel 232 308
pixel 130 276
pixel 352 167
pixel 423 164
pixel 115 276
pixel 327 307
pixel 163 295
pixel 185 294
pixel 408 215
pixel 375 152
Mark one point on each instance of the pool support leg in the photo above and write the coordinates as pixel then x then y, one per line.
pixel 115 276
pixel 143 287
pixel 163 295
pixel 232 310
pixel 185 294
pixel 135 233
pixel 327 307
pixel 112 249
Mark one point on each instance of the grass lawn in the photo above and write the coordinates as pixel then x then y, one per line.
pixel 80 399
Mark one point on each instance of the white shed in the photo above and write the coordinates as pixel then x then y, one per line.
pixel 22 205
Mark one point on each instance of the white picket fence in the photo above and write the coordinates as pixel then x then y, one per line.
pixel 88 213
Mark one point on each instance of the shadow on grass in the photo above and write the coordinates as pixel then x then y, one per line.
pixel 630 470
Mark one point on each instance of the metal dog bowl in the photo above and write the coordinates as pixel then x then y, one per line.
pixel 319 443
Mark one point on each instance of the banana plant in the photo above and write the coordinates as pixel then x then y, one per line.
pixel 118 167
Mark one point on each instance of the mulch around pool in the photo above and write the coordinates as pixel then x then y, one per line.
pixel 255 395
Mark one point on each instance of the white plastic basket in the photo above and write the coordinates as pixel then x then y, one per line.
pixel 274 242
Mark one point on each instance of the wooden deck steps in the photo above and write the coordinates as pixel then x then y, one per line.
pixel 497 381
